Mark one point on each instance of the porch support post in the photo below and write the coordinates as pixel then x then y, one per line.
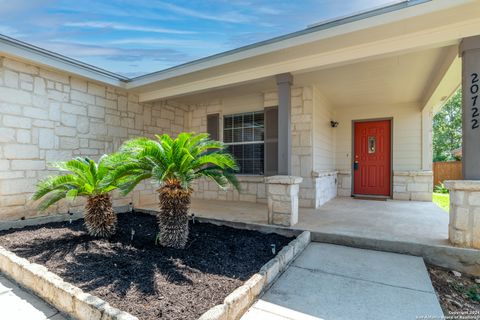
pixel 282 198
pixel 470 52
pixel 284 83
pixel 464 225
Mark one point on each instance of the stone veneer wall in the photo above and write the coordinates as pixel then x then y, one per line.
pixel 412 185
pixel 47 116
pixel 252 189
pixel 407 185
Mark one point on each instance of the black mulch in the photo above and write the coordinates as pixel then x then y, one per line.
pixel 138 277
pixel 459 295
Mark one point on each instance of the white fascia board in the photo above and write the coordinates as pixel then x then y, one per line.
pixel 306 36
pixel 26 52
pixel 449 81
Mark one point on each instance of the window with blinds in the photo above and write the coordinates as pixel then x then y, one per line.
pixel 244 135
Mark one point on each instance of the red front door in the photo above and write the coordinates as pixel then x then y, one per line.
pixel 372 158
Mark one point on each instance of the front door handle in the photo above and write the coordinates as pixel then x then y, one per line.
pixel 355 165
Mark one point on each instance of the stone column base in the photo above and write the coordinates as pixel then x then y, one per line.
pixel 464 226
pixel 282 198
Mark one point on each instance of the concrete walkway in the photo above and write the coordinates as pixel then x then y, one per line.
pixel 17 304
pixel 334 282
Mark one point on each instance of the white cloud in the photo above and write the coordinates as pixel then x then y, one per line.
pixel 9 31
pixel 230 16
pixel 128 27
pixel 78 50
pixel 167 42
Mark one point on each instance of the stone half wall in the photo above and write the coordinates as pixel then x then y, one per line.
pixel 252 189
pixel 407 185
pixel 47 116
pixel 412 185
pixel 325 186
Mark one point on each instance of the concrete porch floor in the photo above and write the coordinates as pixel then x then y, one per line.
pixel 392 220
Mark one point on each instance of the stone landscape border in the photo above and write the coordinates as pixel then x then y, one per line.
pixel 64 296
pixel 237 302
pixel 72 301
pixel 58 217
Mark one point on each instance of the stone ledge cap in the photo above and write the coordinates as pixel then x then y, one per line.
pixel 283 180
pixel 323 173
pixel 252 178
pixel 412 173
pixel 467 185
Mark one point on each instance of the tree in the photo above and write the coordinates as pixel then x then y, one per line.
pixel 86 179
pixel 175 164
pixel 447 129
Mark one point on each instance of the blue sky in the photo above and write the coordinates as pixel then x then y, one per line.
pixel 142 36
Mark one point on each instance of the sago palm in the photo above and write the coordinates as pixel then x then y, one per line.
pixel 175 164
pixel 86 179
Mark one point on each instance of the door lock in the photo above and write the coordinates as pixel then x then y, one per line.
pixel 355 165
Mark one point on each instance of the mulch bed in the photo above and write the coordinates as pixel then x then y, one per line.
pixel 459 294
pixel 146 280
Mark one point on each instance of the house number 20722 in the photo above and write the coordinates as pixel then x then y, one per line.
pixel 474 91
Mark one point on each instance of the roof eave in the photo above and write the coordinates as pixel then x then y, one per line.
pixel 24 51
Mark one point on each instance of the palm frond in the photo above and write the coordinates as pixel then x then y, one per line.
pixel 52 199
pixel 86 178
pixel 221 160
pixel 130 184
pixel 182 159
pixel 55 183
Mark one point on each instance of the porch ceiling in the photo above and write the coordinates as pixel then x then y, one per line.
pixel 395 79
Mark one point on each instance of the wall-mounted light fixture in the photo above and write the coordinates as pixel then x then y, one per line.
pixel 333 124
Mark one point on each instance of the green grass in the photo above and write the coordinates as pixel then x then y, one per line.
pixel 442 200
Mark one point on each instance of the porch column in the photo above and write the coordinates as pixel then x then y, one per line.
pixel 470 52
pixel 464 226
pixel 282 197
pixel 284 83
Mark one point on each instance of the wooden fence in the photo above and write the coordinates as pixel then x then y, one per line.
pixel 449 170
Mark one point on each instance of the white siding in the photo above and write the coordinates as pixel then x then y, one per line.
pixel 323 133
